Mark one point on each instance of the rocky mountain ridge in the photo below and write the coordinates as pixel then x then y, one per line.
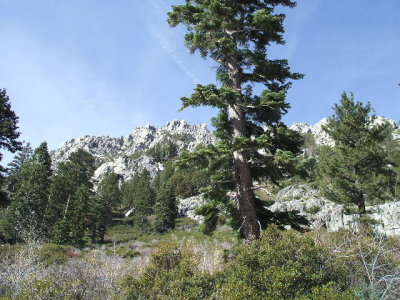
pixel 127 155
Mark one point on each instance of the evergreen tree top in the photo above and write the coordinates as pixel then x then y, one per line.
pixel 237 34
pixel 20 158
pixel 354 122
pixel 8 125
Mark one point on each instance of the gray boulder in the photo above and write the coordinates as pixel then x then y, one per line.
pixel 323 213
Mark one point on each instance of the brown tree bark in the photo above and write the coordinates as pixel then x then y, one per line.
pixel 250 226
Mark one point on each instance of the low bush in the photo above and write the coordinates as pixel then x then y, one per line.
pixel 172 274
pixel 368 261
pixel 318 265
pixel 52 254
pixel 282 265
pixel 123 252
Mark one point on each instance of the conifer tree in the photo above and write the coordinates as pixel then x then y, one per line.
pixel 165 207
pixel 77 215
pixel 20 158
pixel 70 194
pixel 8 137
pixel 236 35
pixel 144 198
pixel 30 195
pixel 108 196
pixel 8 126
pixel 356 169
pixel 42 156
pixel 83 165
pixel 71 227
pixel 138 194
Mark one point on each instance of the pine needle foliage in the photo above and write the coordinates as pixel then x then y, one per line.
pixel 236 35
pixel 357 169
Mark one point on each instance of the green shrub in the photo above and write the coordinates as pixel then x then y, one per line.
pixel 171 275
pixel 313 210
pixel 329 292
pixel 282 265
pixel 49 287
pixel 123 252
pixel 52 254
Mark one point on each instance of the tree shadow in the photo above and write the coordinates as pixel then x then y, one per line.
pixel 282 219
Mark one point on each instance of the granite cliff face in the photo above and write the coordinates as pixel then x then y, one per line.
pixel 127 155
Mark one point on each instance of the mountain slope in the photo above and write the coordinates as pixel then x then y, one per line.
pixel 127 155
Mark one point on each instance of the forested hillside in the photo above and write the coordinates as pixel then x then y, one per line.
pixel 253 209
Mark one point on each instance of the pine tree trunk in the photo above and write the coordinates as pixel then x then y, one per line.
pixel 359 194
pixel 250 228
pixel 94 234
pixel 360 202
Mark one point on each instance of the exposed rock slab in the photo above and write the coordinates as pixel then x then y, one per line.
pixel 187 207
pixel 323 213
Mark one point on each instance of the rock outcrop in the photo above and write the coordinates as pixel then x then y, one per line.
pixel 127 155
pixel 187 207
pixel 321 137
pixel 323 213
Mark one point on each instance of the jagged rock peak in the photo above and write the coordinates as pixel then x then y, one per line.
pixel 126 155
pixel 321 137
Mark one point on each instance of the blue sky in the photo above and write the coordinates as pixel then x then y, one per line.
pixel 98 67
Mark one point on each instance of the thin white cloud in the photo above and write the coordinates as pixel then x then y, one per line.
pixel 295 23
pixel 169 48
pixel 157 27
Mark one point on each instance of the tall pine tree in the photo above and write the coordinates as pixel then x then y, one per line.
pixel 9 135
pixel 357 169
pixel 144 199
pixel 21 157
pixel 8 126
pixel 42 156
pixel 165 208
pixel 108 196
pixel 70 195
pixel 30 194
pixel 138 194
pixel 236 35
